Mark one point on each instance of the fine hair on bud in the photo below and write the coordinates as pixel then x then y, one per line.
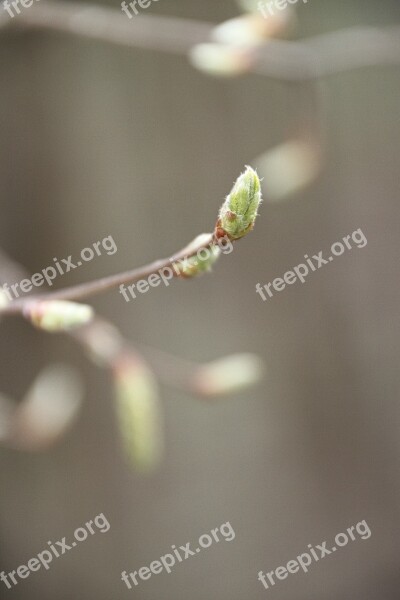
pixel 239 211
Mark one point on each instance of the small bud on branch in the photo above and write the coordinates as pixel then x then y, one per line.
pixel 54 311
pixel 239 211
pixel 202 261
pixel 58 315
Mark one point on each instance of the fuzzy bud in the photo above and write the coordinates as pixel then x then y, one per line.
pixel 239 211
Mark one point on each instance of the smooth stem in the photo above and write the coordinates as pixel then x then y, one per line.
pixel 91 288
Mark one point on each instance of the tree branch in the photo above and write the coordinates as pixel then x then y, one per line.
pixel 106 346
pixel 164 34
pixel 236 218
pixel 91 288
pixel 313 58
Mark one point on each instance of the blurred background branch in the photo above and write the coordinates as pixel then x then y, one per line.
pixel 53 401
pixel 312 58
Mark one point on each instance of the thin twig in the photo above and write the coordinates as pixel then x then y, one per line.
pixel 91 288
pixel 105 343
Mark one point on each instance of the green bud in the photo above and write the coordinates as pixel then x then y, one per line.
pixel 228 375
pixel 202 261
pixel 239 211
pixel 139 413
pixel 58 315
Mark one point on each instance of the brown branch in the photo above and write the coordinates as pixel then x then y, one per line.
pixel 105 344
pixel 91 288
pixel 236 219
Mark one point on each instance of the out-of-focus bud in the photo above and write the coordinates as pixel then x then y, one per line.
pixel 139 413
pixel 4 301
pixel 289 168
pixel 202 261
pixel 252 29
pixel 222 60
pixel 58 315
pixel 227 375
pixel 48 410
pixel 239 211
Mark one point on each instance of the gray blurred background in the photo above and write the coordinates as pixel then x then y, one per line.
pixel 98 140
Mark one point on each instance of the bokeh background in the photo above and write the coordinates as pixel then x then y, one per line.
pixel 100 140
